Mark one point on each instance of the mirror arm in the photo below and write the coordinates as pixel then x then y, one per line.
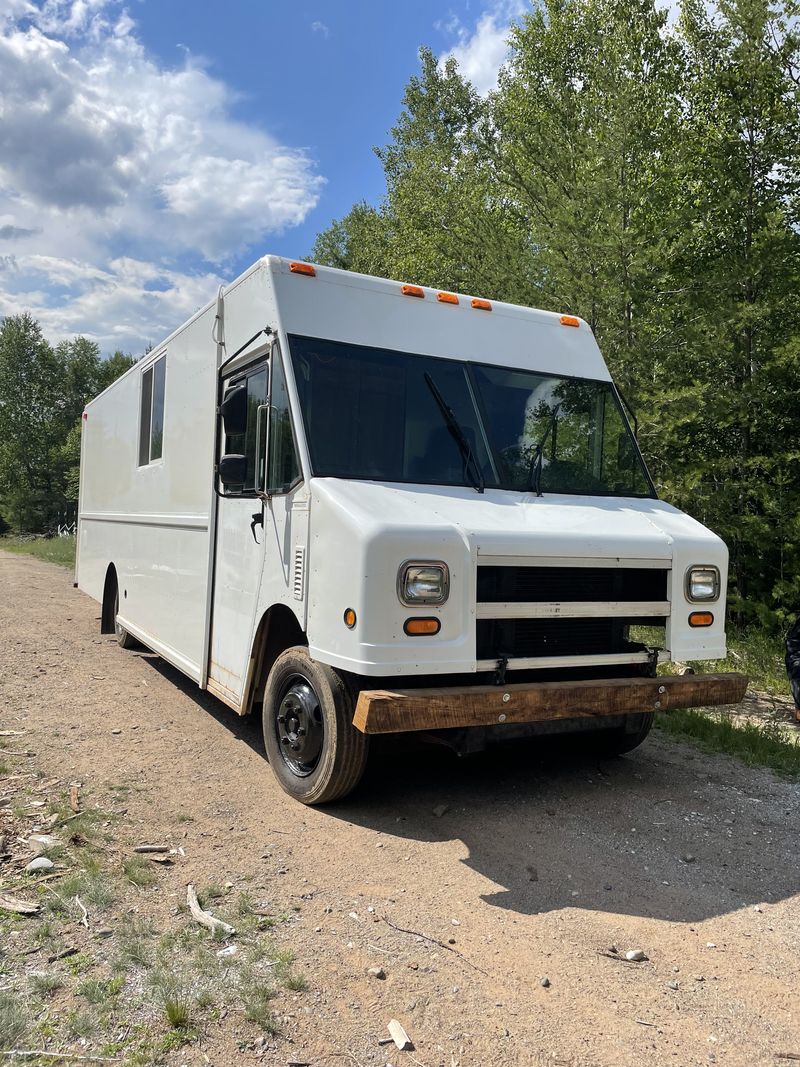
pixel 630 411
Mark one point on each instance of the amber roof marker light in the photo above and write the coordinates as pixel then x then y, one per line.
pixel 482 305
pixel 447 298
pixel 303 268
pixel 569 320
pixel 412 290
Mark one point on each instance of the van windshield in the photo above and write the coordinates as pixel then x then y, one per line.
pixel 377 414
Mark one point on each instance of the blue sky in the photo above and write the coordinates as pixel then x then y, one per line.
pixel 150 149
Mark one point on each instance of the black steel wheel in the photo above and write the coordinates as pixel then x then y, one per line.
pixel 300 726
pixel 314 750
pixel 124 639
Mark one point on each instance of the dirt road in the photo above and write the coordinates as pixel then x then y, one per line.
pixel 541 863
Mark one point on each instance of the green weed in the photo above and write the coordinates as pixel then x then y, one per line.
pixel 757 745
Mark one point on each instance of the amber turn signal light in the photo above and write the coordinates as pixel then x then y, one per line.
pixel 701 618
pixel 420 627
pixel 303 268
pixel 349 618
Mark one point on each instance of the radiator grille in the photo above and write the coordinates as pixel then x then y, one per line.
pixel 541 585
pixel 551 637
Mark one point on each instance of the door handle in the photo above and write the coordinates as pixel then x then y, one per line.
pixel 257 520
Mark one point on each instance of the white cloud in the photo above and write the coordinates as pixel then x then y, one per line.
pixel 481 51
pixel 104 150
pixel 320 27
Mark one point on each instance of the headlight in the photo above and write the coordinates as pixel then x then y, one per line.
pixel 423 583
pixel 702 583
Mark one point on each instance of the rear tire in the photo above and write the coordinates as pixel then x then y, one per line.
pixel 315 752
pixel 621 740
pixel 124 639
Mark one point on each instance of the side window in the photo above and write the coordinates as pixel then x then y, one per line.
pixel 151 415
pixel 284 469
pixel 248 444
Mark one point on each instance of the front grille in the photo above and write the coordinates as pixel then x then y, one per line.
pixel 553 637
pixel 547 637
pixel 542 585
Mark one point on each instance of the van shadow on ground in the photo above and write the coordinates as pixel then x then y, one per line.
pixel 664 832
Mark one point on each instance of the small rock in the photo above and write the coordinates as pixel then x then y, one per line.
pixel 41 863
pixel 399 1036
pixel 545 982
pixel 699 978
pixel 533 874
pixel 608 886
pixel 376 972
pixel 104 931
pixel 317 929
pixel 451 941
pixel 231 950
pixel 116 731
pixel 688 858
pixel 635 955
pixel 456 922
pixel 440 810
pixel 40 842
pixel 672 985
pixel 710 944
pixel 757 908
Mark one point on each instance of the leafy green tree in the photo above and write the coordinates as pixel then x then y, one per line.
pixel 43 391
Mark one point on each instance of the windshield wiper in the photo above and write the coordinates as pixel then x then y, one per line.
pixel 471 468
pixel 535 472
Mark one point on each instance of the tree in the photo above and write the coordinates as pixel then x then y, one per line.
pixel 43 391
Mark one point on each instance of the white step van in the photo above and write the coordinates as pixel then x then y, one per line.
pixel 360 507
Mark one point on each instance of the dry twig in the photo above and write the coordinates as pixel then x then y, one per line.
pixel 205 918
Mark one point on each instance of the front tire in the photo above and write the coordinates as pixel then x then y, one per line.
pixel 621 740
pixel 314 750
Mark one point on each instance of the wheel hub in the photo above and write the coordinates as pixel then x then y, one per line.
pixel 299 727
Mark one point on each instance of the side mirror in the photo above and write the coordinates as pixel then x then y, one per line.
pixel 232 469
pixel 234 410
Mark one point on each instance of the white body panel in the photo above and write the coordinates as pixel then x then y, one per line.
pixel 194 585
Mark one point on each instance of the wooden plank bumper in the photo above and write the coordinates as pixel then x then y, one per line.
pixel 384 711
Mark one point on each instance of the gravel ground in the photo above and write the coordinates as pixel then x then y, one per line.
pixel 544 865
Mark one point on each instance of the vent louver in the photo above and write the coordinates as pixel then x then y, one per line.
pixel 299 571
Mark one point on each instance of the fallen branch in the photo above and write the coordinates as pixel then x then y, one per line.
pixel 20 907
pixel 205 918
pixel 11 733
pixel 17 752
pixel 85 917
pixel 435 941
pixel 59 1055
pixel 146 849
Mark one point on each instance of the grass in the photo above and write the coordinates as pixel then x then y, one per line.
pixel 256 998
pixel 757 654
pixel 755 744
pixel 13 1020
pixel 44 984
pixel 139 871
pixel 60 550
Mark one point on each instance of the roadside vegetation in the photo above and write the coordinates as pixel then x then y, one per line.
pixel 60 550
pixel 757 744
pixel 99 967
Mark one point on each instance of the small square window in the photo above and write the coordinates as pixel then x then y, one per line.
pixel 151 418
